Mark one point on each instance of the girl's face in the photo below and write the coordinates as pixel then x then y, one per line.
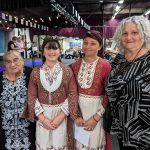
pixel 131 38
pixel 91 47
pixel 51 55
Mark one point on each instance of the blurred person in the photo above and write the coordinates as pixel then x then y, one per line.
pixel 91 72
pixel 52 100
pixel 12 45
pixel 128 84
pixel 20 44
pixel 16 133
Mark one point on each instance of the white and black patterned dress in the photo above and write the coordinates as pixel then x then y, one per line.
pixel 131 111
pixel 15 133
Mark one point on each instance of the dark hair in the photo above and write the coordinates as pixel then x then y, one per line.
pixel 94 35
pixel 14 38
pixel 51 44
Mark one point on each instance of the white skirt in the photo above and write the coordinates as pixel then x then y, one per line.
pixel 51 139
pixel 89 105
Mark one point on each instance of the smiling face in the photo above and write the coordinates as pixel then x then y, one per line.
pixel 91 47
pixel 51 54
pixel 13 64
pixel 131 38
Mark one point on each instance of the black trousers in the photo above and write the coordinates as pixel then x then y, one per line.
pixel 125 147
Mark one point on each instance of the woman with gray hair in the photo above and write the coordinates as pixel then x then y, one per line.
pixel 16 133
pixel 128 84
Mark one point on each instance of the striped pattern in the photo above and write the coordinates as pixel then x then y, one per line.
pixel 131 113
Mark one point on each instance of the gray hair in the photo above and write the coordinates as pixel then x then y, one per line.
pixel 143 25
pixel 12 52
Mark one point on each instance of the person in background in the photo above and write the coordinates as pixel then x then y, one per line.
pixel 12 45
pixel 21 45
pixel 128 84
pixel 15 133
pixel 91 72
pixel 52 100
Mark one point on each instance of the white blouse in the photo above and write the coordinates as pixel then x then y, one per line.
pixel 51 81
pixel 86 74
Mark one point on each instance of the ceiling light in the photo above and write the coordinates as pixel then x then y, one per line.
pixel 121 2
pixel 113 17
pixel 117 8
pixel 147 12
pixel 49 18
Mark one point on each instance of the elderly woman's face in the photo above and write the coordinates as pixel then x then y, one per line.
pixel 131 38
pixel 13 64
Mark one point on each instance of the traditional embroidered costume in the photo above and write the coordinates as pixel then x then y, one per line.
pixel 16 133
pixel 50 93
pixel 91 79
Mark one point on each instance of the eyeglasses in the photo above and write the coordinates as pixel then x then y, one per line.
pixel 14 61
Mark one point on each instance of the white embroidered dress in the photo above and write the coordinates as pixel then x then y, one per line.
pixel 51 139
pixel 89 106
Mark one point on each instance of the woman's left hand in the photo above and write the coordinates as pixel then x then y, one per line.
pixel 90 124
pixel 58 119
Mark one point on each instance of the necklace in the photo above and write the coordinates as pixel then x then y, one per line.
pixel 126 66
pixel 137 53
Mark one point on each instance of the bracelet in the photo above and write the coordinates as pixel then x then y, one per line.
pixel 95 119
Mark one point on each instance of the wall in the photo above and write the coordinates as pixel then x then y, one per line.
pixel 4 39
pixel 66 41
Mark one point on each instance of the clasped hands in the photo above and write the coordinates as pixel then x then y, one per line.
pixel 52 124
pixel 88 125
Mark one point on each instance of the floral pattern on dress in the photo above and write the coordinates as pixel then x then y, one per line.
pixel 51 76
pixel 86 74
pixel 12 105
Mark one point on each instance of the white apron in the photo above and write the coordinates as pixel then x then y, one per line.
pixel 89 106
pixel 51 139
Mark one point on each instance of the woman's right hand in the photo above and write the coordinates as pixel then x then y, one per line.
pixel 80 122
pixel 47 124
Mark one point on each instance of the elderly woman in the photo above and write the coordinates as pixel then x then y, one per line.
pixel 128 84
pixel 16 133
pixel 52 100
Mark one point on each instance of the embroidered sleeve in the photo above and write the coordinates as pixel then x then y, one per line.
pixel 38 108
pixel 72 96
pixel 65 108
pixel 75 67
pixel 101 111
pixel 29 112
pixel 106 70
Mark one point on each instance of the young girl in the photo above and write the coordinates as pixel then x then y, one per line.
pixel 91 73
pixel 52 98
